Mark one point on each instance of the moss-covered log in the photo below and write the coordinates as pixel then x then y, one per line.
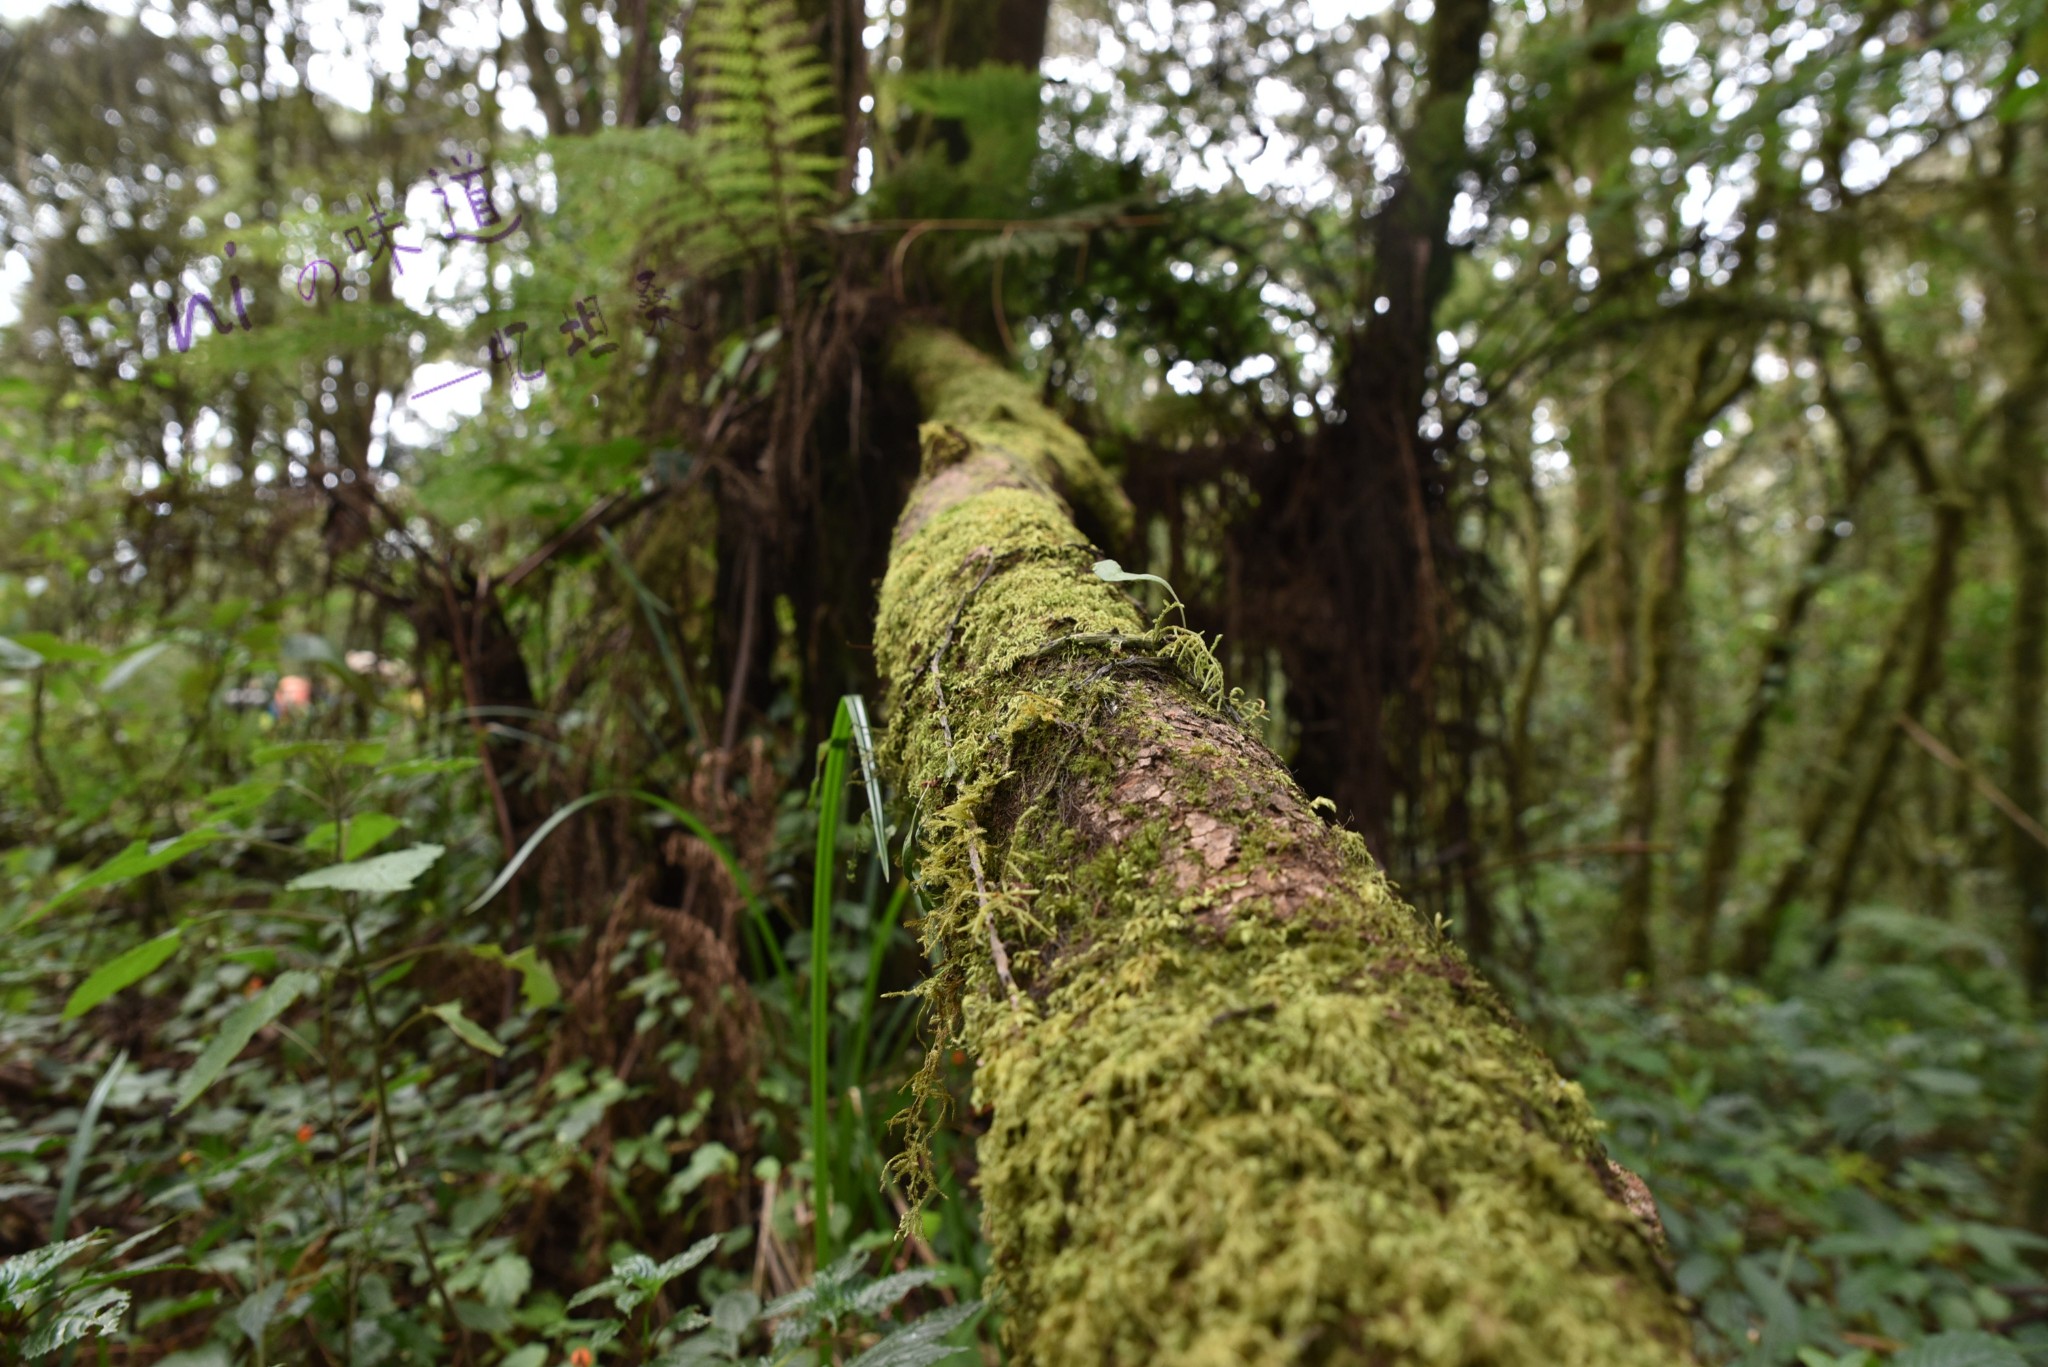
pixel 1246 1107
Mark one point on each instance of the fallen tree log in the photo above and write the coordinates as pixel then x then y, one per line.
pixel 1246 1107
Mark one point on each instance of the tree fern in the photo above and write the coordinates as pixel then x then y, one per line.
pixel 42 1309
pixel 761 119
pixel 746 180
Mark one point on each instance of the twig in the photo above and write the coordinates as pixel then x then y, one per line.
pixel 419 1234
pixel 1985 788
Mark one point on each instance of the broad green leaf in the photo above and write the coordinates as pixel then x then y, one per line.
pixel 14 655
pixel 259 959
pixel 688 1258
pixel 735 1310
pixel 385 873
pixel 56 649
pixel 532 1355
pixel 253 1315
pixel 467 1030
pixel 160 1311
pixel 238 799
pixel 919 1344
pixel 537 981
pixel 638 1279
pixel 126 670
pixel 884 1292
pixel 121 971
pixel 238 1029
pixel 365 833
pixel 138 859
pixel 707 1161
pixel 506 1280
pixel 24 1271
pixel 98 1313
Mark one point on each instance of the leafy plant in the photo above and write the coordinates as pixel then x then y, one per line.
pixel 47 1303
pixel 837 1309
pixel 1830 1166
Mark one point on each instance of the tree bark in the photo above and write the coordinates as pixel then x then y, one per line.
pixel 1920 690
pixel 2021 490
pixel 2031 1185
pixel 1246 1106
pixel 1825 794
pixel 1711 386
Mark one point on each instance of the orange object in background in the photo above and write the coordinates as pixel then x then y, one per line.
pixel 294 694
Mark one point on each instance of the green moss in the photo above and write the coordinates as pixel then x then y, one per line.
pixel 956 384
pixel 1247 1107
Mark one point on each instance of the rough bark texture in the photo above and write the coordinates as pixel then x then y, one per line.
pixel 1247 1108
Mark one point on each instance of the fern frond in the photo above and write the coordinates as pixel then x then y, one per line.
pixel 760 119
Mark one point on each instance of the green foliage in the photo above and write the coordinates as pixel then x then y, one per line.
pixel 761 119
pixel 375 877
pixel 1830 1163
pixel 123 970
pixel 838 1306
pixel 403 1105
pixel 47 1304
pixel 238 1029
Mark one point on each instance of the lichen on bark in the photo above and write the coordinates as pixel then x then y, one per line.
pixel 1246 1107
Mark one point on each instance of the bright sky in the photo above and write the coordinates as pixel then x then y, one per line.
pixel 348 40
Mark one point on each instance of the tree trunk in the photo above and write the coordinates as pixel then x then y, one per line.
pixel 1825 794
pixel 1246 1107
pixel 2031 1180
pixel 1353 559
pixel 1711 384
pixel 2021 481
pixel 1920 689
pixel 1656 634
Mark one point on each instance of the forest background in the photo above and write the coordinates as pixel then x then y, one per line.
pixel 1609 437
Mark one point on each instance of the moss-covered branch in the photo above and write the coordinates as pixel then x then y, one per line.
pixel 1246 1107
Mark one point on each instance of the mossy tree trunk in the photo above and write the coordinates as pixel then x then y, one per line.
pixel 1712 378
pixel 1247 1108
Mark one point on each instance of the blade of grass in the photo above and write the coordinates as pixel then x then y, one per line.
pixel 653 609
pixel 688 819
pixel 831 791
pixel 878 949
pixel 864 740
pixel 732 867
pixel 81 1147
